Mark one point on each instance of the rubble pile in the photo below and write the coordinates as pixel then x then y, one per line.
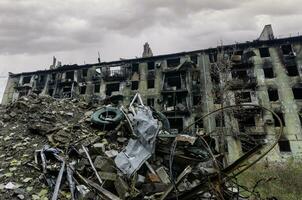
pixel 68 149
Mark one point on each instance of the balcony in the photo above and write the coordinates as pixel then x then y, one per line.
pixel 117 73
pixel 181 109
pixel 174 84
pixel 240 83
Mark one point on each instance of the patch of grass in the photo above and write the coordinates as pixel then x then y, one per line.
pixel 280 180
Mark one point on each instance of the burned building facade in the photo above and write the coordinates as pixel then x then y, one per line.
pixel 185 86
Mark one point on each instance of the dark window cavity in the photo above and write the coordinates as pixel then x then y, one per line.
pixel 70 75
pixel 268 72
pixel 173 62
pixel 243 97
pixel 26 79
pixel 134 85
pixel 84 72
pixel 198 124
pixel 150 102
pixel 287 49
pixel 82 89
pixel 150 83
pixel 284 146
pixel 151 65
pixel 113 87
pixel 194 59
pixel 97 88
pixel 297 93
pixel 264 52
pixel 277 123
pixel 135 67
pixel 292 70
pixel 273 94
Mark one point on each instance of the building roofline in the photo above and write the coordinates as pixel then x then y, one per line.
pixel 255 43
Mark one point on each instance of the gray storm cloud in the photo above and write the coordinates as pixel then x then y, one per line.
pixel 32 31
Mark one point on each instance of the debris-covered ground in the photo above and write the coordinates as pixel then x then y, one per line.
pixel 68 149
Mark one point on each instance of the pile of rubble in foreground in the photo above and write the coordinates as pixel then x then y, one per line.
pixel 68 149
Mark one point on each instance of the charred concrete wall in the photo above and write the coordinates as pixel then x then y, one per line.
pixel 183 87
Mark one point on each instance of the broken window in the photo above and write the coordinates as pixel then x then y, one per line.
pixel 239 74
pixel 194 59
pixel 42 78
pixel 264 52
pixel 284 146
pixel 243 97
pixel 53 76
pixel 134 85
pixel 219 120
pixel 268 72
pixel 198 124
pixel 97 88
pixel 297 91
pixel 50 92
pixel 215 77
pixel 174 62
pixel 84 72
pixel 287 49
pixel 292 70
pixel 277 123
pixel 196 100
pixel 82 89
pixel 112 87
pixel 273 94
pixel 246 121
pixel 150 83
pixel 69 75
pixel 150 102
pixel 240 52
pixel 26 79
pixel 151 66
pixel 176 123
pixel 135 67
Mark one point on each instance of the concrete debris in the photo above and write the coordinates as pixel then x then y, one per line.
pixel 136 158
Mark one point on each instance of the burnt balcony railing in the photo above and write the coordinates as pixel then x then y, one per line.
pixel 114 74
pixel 240 83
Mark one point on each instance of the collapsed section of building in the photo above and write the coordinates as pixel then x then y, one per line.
pixel 185 86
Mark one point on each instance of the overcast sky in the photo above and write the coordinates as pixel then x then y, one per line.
pixel 32 31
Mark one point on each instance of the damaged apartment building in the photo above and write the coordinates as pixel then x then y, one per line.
pixel 185 86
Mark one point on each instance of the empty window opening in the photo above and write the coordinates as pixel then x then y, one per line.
pixel 219 120
pixel 249 142
pixel 113 87
pixel 239 74
pixel 238 52
pixel 150 102
pixel 70 75
pixel 277 123
pixel 213 57
pixel 53 76
pixel 151 65
pixel 135 68
pixel 297 92
pixel 26 79
pixel 268 72
pixel 273 94
pixel 264 52
pixel 292 70
pixel 246 121
pixel 284 146
pixel 150 83
pixel 198 124
pixel 134 85
pixel 173 82
pixel 196 100
pixel 82 89
pixel 84 72
pixel 66 89
pixel 42 78
pixel 97 88
pixel 243 97
pixel 50 92
pixel 173 62
pixel 176 123
pixel 194 59
pixel 287 49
